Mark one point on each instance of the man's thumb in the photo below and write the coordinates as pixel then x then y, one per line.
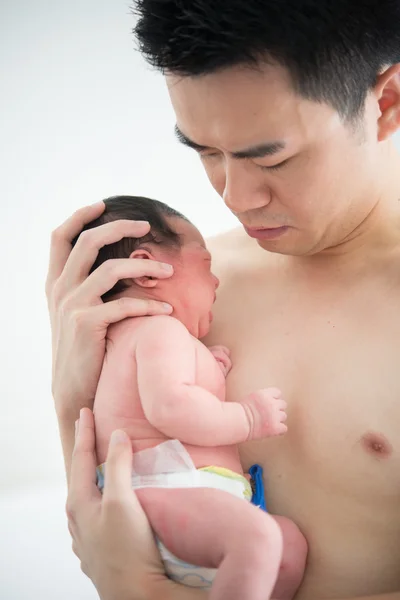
pixel 118 467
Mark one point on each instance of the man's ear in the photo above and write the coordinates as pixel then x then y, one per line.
pixel 387 91
pixel 144 281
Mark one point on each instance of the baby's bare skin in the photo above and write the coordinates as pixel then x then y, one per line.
pixel 159 382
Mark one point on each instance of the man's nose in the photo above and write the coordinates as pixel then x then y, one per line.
pixel 245 188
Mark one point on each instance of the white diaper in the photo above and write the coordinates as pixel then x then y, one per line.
pixel 169 465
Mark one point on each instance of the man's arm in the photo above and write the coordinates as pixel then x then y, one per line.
pixel 171 400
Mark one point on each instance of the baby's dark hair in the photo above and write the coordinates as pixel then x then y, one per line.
pixel 134 208
pixel 333 49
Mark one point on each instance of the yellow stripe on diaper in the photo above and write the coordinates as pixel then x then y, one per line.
pixel 247 492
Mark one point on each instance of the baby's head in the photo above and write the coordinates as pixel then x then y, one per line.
pixel 172 239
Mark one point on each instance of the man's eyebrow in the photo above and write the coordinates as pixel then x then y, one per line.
pixel 258 151
pixel 261 150
pixel 183 139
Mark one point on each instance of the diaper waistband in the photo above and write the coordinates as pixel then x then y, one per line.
pixel 211 476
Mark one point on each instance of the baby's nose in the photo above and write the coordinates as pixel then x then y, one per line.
pixel 216 280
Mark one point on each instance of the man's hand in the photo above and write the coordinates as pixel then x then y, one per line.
pixel 111 535
pixel 222 356
pixel 79 318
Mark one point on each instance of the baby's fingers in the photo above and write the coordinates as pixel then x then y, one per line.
pixel 282 416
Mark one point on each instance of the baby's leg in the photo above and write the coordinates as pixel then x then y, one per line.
pixel 214 529
pixel 293 560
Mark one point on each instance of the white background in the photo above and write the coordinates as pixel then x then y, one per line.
pixel 81 118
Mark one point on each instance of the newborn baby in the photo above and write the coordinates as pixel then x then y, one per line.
pixel 166 390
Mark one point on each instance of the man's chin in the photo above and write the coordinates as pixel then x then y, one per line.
pixel 273 246
pixel 285 247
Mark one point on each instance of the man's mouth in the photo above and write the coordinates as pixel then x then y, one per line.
pixel 266 233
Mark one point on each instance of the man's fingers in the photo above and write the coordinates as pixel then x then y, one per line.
pixel 83 256
pixel 82 482
pixel 120 503
pixel 116 310
pixel 118 472
pixel 110 272
pixel 97 318
pixel 62 237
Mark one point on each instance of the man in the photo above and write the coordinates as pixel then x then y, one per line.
pixel 291 106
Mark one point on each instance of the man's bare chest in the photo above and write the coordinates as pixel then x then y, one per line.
pixel 337 363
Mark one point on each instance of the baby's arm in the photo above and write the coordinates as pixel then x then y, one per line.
pixel 171 400
pixel 222 356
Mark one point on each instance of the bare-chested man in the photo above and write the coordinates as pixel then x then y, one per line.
pixel 292 109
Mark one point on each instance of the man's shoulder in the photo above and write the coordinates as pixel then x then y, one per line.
pixel 230 246
pixel 233 251
pixel 228 240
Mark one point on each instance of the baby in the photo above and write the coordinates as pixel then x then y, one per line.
pixel 166 390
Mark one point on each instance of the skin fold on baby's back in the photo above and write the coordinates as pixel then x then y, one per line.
pixel 118 404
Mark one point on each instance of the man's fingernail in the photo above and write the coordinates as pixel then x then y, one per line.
pixel 167 267
pixel 99 203
pixel 76 427
pixel 167 307
pixel 118 437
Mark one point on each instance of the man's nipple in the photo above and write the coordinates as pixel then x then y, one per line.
pixel 376 444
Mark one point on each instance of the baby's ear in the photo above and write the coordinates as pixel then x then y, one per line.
pixel 145 281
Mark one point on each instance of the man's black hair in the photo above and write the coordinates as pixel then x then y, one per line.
pixel 134 208
pixel 333 49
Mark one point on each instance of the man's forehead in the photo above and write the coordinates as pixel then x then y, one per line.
pixel 238 116
pixel 251 87
pixel 238 109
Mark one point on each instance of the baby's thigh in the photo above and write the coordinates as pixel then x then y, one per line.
pixel 203 525
pixel 293 561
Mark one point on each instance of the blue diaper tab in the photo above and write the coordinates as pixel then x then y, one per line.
pixel 258 498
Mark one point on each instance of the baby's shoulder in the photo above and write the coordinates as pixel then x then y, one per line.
pixel 161 323
pixel 125 336
pixel 135 327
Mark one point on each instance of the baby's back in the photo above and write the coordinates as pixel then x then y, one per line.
pixel 118 403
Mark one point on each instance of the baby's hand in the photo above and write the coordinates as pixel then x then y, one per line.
pixel 221 355
pixel 267 413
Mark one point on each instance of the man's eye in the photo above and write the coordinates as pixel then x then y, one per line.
pixel 277 167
